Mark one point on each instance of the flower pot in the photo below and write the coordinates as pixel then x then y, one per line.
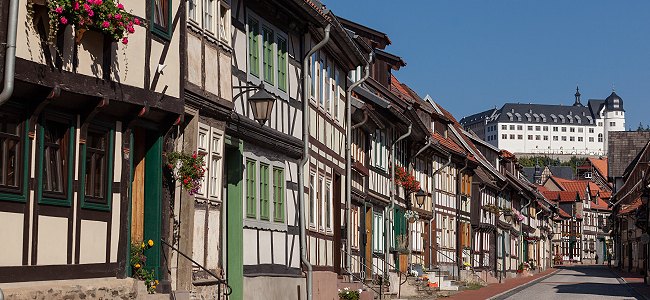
pixel 79 35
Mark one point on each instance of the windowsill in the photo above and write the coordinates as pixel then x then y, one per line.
pixel 263 224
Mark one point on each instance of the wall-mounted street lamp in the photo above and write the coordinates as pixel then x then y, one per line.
pixel 420 196
pixel 261 102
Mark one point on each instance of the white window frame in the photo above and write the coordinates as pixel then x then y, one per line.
pixel 277 32
pixel 378 232
pixel 208 16
pixel 354 226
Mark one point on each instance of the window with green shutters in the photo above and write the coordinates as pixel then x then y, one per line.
pixel 253 47
pixel 264 192
pixel 251 207
pixel 278 194
pixel 282 63
pixel 267 54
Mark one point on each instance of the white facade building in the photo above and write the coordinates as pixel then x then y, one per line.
pixel 551 129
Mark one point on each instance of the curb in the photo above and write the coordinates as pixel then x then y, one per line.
pixel 632 290
pixel 518 289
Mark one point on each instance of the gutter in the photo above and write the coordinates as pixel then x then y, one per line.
pixel 392 198
pixel 433 205
pixel 305 158
pixel 348 161
pixel 10 54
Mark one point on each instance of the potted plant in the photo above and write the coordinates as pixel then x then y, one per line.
pixel 406 181
pixel 138 263
pixel 187 169
pixel 105 16
pixel 348 294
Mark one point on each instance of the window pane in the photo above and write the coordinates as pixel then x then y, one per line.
pixel 55 156
pixel 10 136
pixel 207 14
pixel 327 206
pixel 161 13
pixel 282 63
pixel 251 207
pixel 264 192
pixel 253 47
pixel 267 59
pixel 278 195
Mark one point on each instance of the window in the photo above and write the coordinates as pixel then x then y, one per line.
pixel 555 138
pixel 282 63
pixel 545 128
pixel 580 139
pixel 417 228
pixel 97 169
pixel 591 139
pixel 56 157
pixel 520 127
pixel 530 127
pixel 312 200
pixel 11 156
pixel 555 128
pixel 538 128
pixel 321 212
pixel 251 196
pixel 591 130
pixel 504 127
pixel 563 129
pixel 600 137
pixel 208 15
pixel 580 129
pixel 572 138
pixel 572 129
pixel 504 136
pixel 192 10
pixel 224 22
pixel 546 137
pixel 600 123
pixel 214 166
pixel 512 127
pixel 564 138
pixel 354 225
pixel 379 154
pixel 378 232
pixel 530 136
pixel 162 18
pixel 538 137
pixel 264 192
pixel 512 136
pixel 612 123
pixel 278 194
pixel 253 47
pixel 328 203
pixel 520 137
pixel 337 98
pixel 267 54
pixel 329 88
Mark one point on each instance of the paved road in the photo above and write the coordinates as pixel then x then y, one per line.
pixel 578 282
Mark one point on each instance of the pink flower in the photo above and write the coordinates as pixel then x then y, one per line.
pixel 130 29
pixel 105 24
pixel 91 13
pixel 110 16
pixel 120 6
pixel 98 2
pixel 86 7
pixel 64 20
pixel 125 40
pixel 136 21
pixel 76 6
pixel 118 16
pixel 59 10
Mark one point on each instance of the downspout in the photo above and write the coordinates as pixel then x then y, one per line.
pixel 392 198
pixel 459 251
pixel 433 206
pixel 348 161
pixel 10 54
pixel 305 158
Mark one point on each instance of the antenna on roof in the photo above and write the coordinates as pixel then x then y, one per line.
pixel 613 90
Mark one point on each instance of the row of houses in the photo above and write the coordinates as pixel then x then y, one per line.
pixel 320 168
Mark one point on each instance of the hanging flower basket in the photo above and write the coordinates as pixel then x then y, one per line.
pixel 105 16
pixel 406 181
pixel 187 169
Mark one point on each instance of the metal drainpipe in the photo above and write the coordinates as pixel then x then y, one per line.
pixel 392 198
pixel 348 161
pixel 459 251
pixel 10 54
pixel 305 158
pixel 433 206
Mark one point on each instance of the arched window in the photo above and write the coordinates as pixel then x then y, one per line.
pixel 600 137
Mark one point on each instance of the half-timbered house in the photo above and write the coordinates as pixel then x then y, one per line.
pixel 83 135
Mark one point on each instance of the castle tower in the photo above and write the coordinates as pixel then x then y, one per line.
pixel 614 116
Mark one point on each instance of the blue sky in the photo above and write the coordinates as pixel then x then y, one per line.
pixel 474 55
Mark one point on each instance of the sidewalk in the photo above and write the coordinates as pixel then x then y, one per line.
pixel 634 280
pixel 498 288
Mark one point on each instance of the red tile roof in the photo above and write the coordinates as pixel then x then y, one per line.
pixel 600 164
pixel 561 196
pixel 563 213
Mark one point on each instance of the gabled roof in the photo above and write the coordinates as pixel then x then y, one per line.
pixel 563 196
pixel 600 164
pixel 381 39
pixel 629 208
pixel 519 112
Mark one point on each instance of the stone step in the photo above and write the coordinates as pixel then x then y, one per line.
pixel 96 288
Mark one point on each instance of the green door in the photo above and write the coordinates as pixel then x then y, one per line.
pixel 153 199
pixel 234 217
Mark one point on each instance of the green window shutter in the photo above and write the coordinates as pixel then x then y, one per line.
pixel 267 54
pixel 264 192
pixel 282 64
pixel 253 47
pixel 251 207
pixel 278 195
